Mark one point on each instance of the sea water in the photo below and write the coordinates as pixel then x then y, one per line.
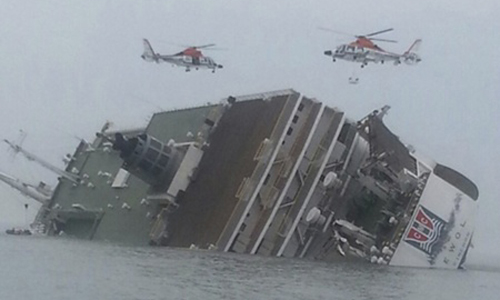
pixel 40 268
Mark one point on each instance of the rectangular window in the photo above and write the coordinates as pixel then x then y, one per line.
pixel 209 122
pixel 295 119
pixel 301 106
pixel 156 171
pixel 290 130
pixel 155 144
pixel 163 161
pixel 152 154
pixel 343 133
pixel 145 165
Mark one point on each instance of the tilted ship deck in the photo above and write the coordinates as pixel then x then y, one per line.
pixel 275 174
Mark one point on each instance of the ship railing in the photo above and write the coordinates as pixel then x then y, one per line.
pixel 266 95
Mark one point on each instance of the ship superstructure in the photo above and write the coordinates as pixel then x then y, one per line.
pixel 276 174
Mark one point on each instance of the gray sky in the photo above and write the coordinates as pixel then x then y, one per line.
pixel 67 68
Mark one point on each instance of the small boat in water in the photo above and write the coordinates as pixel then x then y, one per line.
pixel 18 231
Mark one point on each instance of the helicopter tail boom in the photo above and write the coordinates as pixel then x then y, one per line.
pixel 149 54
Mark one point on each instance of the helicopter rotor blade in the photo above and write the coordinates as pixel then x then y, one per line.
pixel 383 40
pixel 379 32
pixel 336 31
pixel 185 45
pixel 203 46
pixel 216 49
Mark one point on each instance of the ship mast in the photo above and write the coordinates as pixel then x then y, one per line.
pixel 72 177
pixel 24 188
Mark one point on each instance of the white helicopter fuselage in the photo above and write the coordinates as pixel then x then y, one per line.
pixel 181 59
pixel 189 61
pixel 364 55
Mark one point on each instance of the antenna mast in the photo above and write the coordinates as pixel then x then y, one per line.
pixel 70 176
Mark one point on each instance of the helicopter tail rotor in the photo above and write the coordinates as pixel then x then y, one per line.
pixel 411 56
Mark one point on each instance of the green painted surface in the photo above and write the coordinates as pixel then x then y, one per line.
pixel 121 225
pixel 176 124
pixel 127 226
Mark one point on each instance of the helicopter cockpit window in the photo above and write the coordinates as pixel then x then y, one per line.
pixel 350 49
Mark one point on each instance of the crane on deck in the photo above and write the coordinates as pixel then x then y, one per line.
pixel 39 193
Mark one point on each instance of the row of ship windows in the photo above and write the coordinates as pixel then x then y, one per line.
pixel 294 121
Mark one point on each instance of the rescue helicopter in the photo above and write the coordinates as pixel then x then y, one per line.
pixel 191 57
pixel 363 50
